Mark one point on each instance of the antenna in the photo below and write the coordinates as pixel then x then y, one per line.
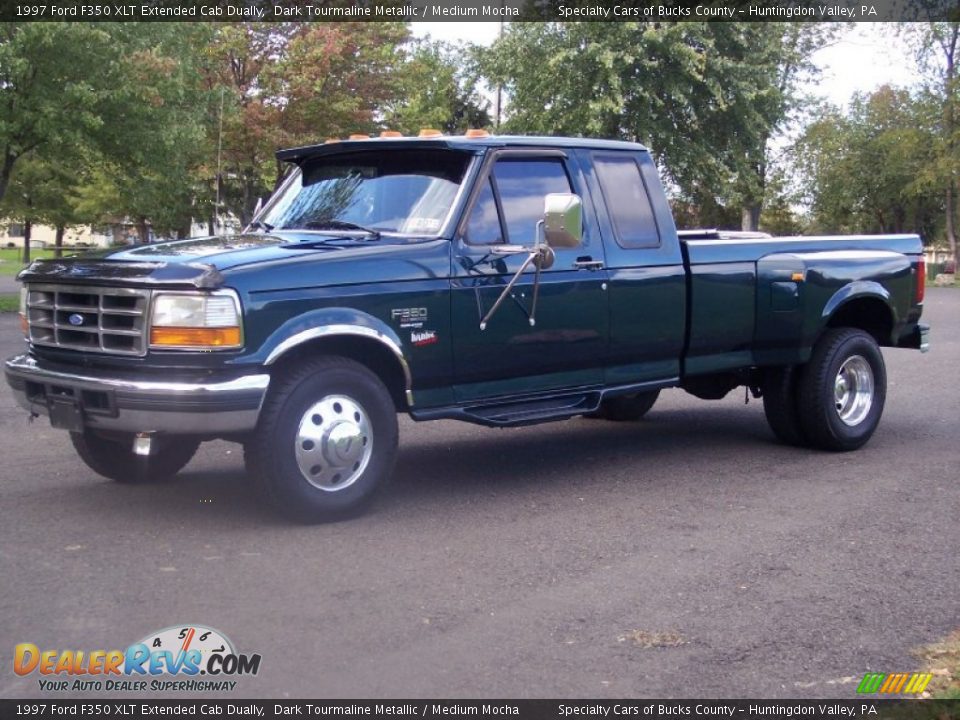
pixel 216 207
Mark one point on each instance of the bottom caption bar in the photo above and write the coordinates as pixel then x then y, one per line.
pixel 529 709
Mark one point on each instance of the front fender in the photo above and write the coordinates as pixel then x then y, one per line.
pixel 330 322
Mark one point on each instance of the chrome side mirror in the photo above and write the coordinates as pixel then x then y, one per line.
pixel 563 220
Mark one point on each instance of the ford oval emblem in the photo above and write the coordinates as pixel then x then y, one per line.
pixel 75 319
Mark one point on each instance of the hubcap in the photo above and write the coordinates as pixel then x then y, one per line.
pixel 334 443
pixel 853 390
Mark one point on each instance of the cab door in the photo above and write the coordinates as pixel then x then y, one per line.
pixel 566 345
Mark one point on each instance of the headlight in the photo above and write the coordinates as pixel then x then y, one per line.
pixel 197 321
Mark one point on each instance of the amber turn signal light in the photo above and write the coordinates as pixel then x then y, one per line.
pixel 216 337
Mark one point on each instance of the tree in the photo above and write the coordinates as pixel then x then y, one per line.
pixel 785 50
pixel 40 193
pixel 293 83
pixel 53 80
pixel 866 170
pixel 151 145
pixel 705 97
pixel 937 46
pixel 438 90
pixel 113 104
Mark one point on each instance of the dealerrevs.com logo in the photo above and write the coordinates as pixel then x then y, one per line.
pixel 178 658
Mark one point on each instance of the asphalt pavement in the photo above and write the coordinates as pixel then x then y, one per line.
pixel 532 562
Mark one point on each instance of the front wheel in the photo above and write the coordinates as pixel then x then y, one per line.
pixel 843 390
pixel 326 441
pixel 114 458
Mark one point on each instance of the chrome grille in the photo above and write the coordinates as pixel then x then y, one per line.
pixel 94 319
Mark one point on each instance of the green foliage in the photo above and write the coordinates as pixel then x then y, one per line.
pixel 705 97
pixel 439 89
pixel 99 122
pixel 54 80
pixel 287 84
pixel 867 170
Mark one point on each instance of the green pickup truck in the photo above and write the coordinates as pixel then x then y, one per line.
pixel 502 281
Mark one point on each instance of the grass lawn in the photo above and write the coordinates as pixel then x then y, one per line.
pixel 943 660
pixel 9 302
pixel 10 263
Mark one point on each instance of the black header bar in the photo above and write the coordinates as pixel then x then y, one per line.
pixel 868 707
pixel 480 10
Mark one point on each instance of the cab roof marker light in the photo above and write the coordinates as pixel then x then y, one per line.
pixel 476 133
pixel 331 140
pixel 359 136
pixel 391 134
pixel 429 132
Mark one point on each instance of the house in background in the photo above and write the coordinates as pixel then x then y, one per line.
pixel 121 232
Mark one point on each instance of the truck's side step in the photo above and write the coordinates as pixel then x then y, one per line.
pixel 514 414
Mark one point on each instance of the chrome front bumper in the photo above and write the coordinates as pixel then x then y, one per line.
pixel 74 401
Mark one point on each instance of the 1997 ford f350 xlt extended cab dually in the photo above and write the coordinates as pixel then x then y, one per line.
pixel 499 280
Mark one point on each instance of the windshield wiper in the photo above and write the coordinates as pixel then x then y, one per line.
pixel 335 224
pixel 267 227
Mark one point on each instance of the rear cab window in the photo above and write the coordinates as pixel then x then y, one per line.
pixel 627 201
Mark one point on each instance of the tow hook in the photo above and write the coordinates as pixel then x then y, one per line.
pixel 142 444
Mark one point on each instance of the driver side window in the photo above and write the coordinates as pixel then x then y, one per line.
pixel 516 187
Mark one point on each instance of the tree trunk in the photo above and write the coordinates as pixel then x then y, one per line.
pixel 27 232
pixel 750 217
pixel 6 170
pixel 950 124
pixel 951 232
pixel 143 232
pixel 58 242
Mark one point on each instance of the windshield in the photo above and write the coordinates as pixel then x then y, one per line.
pixel 409 192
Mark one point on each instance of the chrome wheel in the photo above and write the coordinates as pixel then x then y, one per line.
pixel 334 443
pixel 853 390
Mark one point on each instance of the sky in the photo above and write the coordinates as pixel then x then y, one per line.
pixel 867 56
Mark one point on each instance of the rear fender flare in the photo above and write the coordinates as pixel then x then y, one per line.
pixel 857 290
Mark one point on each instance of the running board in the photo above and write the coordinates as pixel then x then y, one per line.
pixel 516 414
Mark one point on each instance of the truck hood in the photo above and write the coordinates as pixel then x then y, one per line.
pixel 196 261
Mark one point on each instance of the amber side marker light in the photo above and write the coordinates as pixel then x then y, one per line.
pixel 921 279
pixel 24 325
pixel 195 337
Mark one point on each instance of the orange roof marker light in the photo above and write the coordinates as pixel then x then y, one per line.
pixel 391 134
pixel 331 140
pixel 430 132
pixel 359 136
pixel 476 133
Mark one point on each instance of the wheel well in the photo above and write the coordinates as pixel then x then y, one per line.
pixel 868 314
pixel 370 353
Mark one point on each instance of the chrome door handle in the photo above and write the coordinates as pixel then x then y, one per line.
pixel 587 263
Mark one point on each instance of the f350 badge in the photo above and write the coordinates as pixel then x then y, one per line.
pixel 409 317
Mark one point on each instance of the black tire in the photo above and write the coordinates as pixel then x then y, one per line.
pixel 627 408
pixel 309 454
pixel 780 404
pixel 841 413
pixel 114 457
